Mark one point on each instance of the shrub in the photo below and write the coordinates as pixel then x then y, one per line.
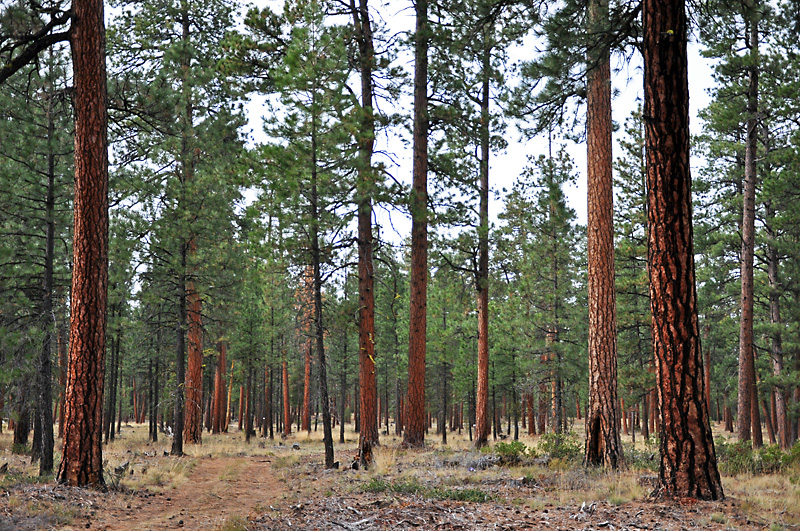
pixel 510 453
pixel 562 446
pixel 770 459
pixel 735 458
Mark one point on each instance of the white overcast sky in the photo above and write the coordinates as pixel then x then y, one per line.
pixel 506 167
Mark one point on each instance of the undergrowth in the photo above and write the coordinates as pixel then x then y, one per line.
pixel 414 488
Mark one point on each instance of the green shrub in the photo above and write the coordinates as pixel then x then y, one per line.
pixel 646 459
pixel 562 446
pixel 770 459
pixel 510 453
pixel 735 458
pixel 413 487
pixel 375 485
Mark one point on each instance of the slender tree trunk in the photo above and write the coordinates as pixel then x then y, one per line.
pixel 62 375
pixel 44 384
pixel 368 435
pixel 82 457
pixel 482 421
pixel 747 375
pixel 319 329
pixel 415 432
pixel 248 407
pixel 180 362
pixel 688 462
pixel 287 413
pixel 219 391
pixel 227 418
pixel 603 445
pixel 776 341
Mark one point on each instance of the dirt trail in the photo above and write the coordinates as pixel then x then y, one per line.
pixel 217 489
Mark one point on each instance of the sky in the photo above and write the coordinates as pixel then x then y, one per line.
pixel 505 167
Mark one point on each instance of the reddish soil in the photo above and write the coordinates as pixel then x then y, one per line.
pixel 217 489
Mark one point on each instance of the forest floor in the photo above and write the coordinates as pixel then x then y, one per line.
pixel 228 485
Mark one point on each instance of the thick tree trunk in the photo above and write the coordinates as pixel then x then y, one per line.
pixel 415 432
pixel 688 462
pixel 82 458
pixel 603 446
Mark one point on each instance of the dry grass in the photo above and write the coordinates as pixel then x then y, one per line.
pixel 771 497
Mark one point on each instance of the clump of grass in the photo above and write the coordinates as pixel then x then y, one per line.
pixel 232 523
pixel 413 487
pixel 384 460
pixel 286 461
pixel 719 518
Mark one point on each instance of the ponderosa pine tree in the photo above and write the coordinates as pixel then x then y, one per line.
pixel 417 335
pixel 688 462
pixel 365 188
pixel 186 150
pixel 82 458
pixel 603 445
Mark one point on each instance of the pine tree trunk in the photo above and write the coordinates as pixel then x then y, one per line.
pixel 782 425
pixel 745 422
pixel 415 433
pixel 688 462
pixel 368 417
pixel 180 363
pixel 287 413
pixel 603 445
pixel 193 428
pixel 44 384
pixel 482 421
pixel 82 459
pixel 62 375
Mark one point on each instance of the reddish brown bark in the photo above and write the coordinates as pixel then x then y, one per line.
pixel 688 463
pixel 193 427
pixel 82 460
pixel 368 416
pixel 603 445
pixel 415 429
pixel 482 420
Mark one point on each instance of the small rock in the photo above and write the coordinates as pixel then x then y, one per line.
pixel 295 446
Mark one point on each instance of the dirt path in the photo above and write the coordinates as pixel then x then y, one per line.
pixel 218 489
